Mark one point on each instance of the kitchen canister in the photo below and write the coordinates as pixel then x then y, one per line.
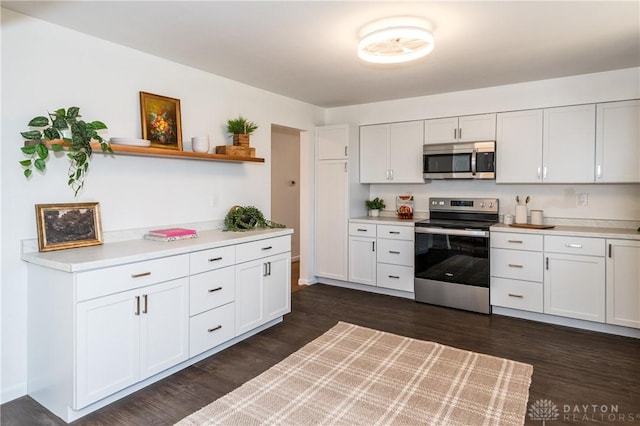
pixel 508 219
pixel 521 214
pixel 536 217
pixel 200 144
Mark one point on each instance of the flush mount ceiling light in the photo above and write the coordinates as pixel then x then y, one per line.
pixel 395 40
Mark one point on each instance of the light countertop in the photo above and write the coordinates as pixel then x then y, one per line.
pixel 578 231
pixel 386 220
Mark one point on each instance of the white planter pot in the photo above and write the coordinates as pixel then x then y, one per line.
pixel 374 213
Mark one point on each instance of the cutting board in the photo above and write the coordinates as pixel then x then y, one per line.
pixel 531 226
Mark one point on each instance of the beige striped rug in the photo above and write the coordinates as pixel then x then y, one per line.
pixel 353 375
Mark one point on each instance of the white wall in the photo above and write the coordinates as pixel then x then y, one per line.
pixel 45 67
pixel 606 202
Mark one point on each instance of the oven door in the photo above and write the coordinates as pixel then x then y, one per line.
pixel 452 268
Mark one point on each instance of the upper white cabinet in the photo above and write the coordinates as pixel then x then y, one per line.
pixel 618 142
pixel 519 146
pixel 332 142
pixel 392 153
pixel 469 128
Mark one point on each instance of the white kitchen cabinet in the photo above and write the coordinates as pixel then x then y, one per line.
pixel 623 282
pixel 469 128
pixel 395 257
pixel 391 153
pixel 618 142
pixel 339 196
pixel 519 147
pixel 362 260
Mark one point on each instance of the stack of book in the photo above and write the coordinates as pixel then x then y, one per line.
pixel 171 234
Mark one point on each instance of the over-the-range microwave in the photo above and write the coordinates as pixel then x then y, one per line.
pixel 472 160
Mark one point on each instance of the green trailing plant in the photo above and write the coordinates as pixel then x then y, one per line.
pixel 241 126
pixel 246 218
pixel 375 204
pixel 79 145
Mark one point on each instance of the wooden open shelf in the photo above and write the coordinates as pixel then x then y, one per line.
pixel 166 153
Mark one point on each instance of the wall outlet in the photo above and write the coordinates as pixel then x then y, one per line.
pixel 583 199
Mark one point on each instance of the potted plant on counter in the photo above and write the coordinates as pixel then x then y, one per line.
pixel 375 206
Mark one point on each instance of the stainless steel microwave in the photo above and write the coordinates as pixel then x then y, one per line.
pixel 473 160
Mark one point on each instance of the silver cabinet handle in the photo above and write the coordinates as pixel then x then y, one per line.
pixel 373 246
pixel 211 290
pixel 455 133
pixel 394 252
pixel 599 171
pixel 538 172
pixel 395 277
pixel 460 133
pixel 519 296
pixel 514 265
pixel 610 250
pixel 391 174
pixel 269 267
pixel 362 230
pixel 142 274
pixel 515 241
pixel 544 172
pixel 217 327
pixel 573 245
pixel 145 309
pixel 215 259
pixel 546 263
pixel 267 248
pixel 345 151
pixel 264 269
pixel 394 232
pixel 345 167
pixel 137 305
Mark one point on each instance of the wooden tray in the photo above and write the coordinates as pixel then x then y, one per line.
pixel 531 226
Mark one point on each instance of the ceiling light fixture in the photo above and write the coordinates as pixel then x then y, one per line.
pixel 395 40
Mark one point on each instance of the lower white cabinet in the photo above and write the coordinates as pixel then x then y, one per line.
pixel 623 282
pixel 362 260
pixel 126 337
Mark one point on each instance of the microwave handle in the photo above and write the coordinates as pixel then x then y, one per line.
pixel 474 166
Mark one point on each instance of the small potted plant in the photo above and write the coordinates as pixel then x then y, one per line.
pixel 245 218
pixel 241 128
pixel 55 128
pixel 375 206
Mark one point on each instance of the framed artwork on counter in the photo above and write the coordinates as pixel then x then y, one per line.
pixel 161 121
pixel 68 225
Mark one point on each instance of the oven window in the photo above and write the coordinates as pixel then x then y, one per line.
pixel 452 258
pixel 447 163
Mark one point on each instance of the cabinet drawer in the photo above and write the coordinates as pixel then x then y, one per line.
pixel 395 277
pixel 525 295
pixel 211 289
pixel 362 229
pixel 509 240
pixel 101 282
pixel 517 264
pixel 396 252
pixel 396 232
pixel 262 248
pixel 574 245
pixel 211 328
pixel 207 260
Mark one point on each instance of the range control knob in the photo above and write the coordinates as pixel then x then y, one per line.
pixel 481 204
pixel 491 204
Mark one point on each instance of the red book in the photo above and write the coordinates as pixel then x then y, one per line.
pixel 172 232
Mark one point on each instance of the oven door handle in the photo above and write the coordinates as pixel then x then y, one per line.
pixel 447 231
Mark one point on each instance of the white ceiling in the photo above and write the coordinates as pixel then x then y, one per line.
pixel 307 50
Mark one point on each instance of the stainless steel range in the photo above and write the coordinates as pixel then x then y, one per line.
pixel 452 253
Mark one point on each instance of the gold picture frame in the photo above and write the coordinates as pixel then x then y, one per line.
pixel 68 225
pixel 161 121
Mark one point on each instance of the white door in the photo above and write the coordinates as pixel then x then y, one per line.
pixel 332 219
pixel 519 147
pixel 332 142
pixel 623 283
pixel 441 130
pixel 164 326
pixel 374 153
pixel 249 295
pixel 362 260
pixel 574 286
pixel 405 152
pixel 107 351
pixel 474 128
pixel 568 149
pixel 277 286
pixel 618 142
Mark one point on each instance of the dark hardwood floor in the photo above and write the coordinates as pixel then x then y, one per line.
pixel 571 367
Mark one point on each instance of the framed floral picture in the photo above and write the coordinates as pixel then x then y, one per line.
pixel 68 225
pixel 161 121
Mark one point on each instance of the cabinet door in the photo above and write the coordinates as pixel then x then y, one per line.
pixel 332 219
pixel 568 149
pixel 374 153
pixel 574 286
pixel 623 283
pixel 332 142
pixel 473 128
pixel 107 351
pixel 164 326
pixel 519 147
pixel 618 142
pixel 249 295
pixel 405 152
pixel 362 260
pixel 277 286
pixel 440 130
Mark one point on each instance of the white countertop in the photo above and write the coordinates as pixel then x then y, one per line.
pixel 578 231
pixel 386 220
pixel 118 253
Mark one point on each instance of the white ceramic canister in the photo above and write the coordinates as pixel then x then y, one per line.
pixel 521 214
pixel 536 217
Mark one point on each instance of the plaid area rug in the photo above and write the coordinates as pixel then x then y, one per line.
pixel 354 375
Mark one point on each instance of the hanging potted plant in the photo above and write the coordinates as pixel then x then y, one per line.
pixel 56 128
pixel 241 128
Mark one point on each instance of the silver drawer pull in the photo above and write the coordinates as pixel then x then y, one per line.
pixel 394 232
pixel 513 265
pixel 519 296
pixel 142 274
pixel 361 230
pixel 394 252
pixel 394 277
pixel 217 327
pixel 215 259
pixel 515 241
pixel 574 245
pixel 267 248
pixel 211 290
